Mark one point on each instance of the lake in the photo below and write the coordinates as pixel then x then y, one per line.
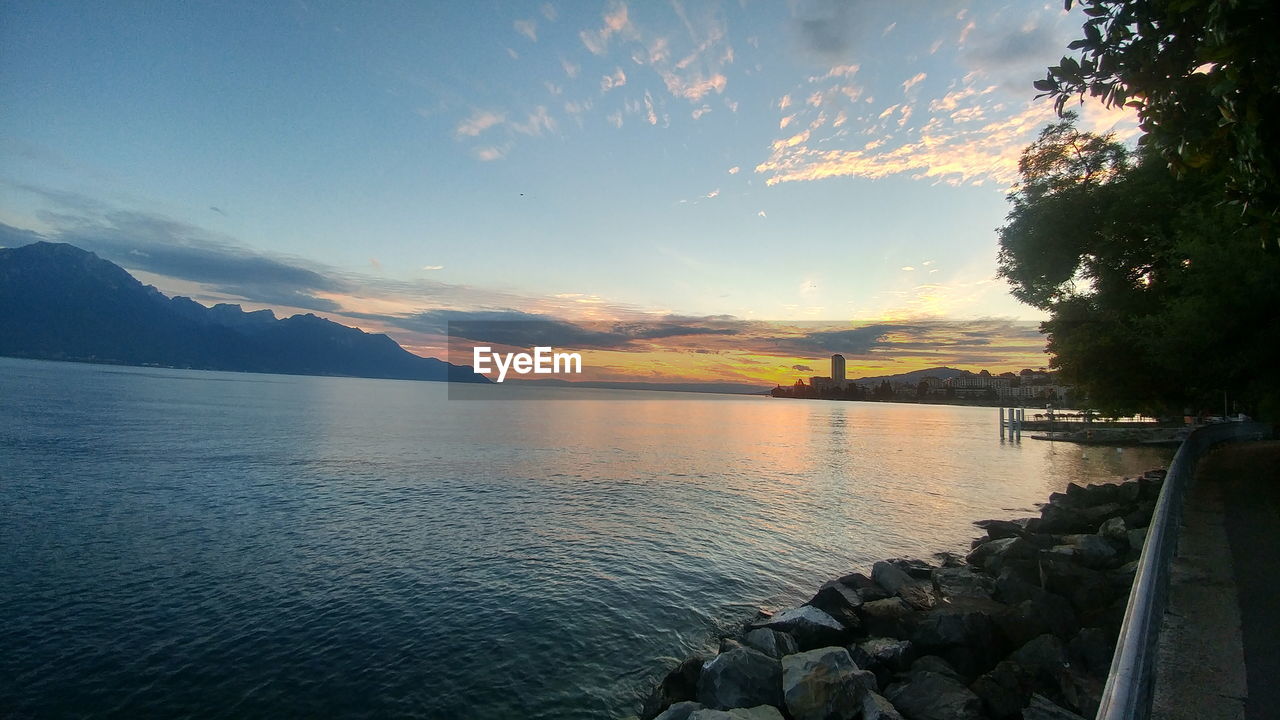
pixel 236 545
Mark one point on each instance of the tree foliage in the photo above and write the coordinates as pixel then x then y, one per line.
pixel 1204 77
pixel 1155 306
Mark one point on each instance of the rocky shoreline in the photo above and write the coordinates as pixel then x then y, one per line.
pixel 1024 626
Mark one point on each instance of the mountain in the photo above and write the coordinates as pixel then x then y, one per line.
pixel 728 388
pixel 915 376
pixel 59 302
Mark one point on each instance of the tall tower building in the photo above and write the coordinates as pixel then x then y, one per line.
pixel 837 371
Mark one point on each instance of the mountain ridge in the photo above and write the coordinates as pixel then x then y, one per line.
pixel 60 302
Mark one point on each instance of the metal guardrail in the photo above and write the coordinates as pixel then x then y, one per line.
pixel 1127 695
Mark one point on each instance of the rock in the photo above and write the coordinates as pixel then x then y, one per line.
pixel 1001 529
pixel 891 577
pixel 811 627
pixel 877 707
pixel 891 617
pixel 740 678
pixel 1121 578
pixel 991 556
pixel 1058 519
pixel 1044 653
pixel 1088 590
pixel 821 684
pixel 679 711
pixel 962 582
pixel 931 696
pixel 728 643
pixel 1042 709
pixel 679 685
pixel 1115 531
pixel 915 567
pixel 1129 492
pixel 1137 537
pixel 963 632
pixel 890 653
pixel 1141 517
pixel 867 588
pixel 771 642
pixel 1046 613
pixel 1089 550
pixel 840 602
pixel 1004 691
pixel 949 559
pixel 935 664
pixel 1091 649
pixel 761 712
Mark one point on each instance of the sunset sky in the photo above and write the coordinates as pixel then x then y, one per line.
pixel 397 165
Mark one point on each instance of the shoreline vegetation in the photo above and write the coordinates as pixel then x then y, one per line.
pixel 1023 626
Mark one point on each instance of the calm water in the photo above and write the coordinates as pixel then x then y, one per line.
pixel 224 545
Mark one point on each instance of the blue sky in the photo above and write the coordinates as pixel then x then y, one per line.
pixel 790 161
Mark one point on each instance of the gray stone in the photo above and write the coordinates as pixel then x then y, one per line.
pixel 991 556
pixel 771 642
pixel 1089 550
pixel 1029 619
pixel 821 684
pixel 811 627
pixel 915 567
pixel 1056 518
pixel 891 617
pixel 728 643
pixel 918 593
pixel 935 664
pixel 1087 589
pixel 1042 709
pixel 962 582
pixel 1000 529
pixel 867 588
pixel 1004 691
pixel 760 712
pixel 877 707
pixel 962 631
pixel 890 653
pixel 1092 649
pixel 740 678
pixel 679 711
pixel 679 685
pixel 1137 537
pixel 840 602
pixel 1115 531
pixel 930 696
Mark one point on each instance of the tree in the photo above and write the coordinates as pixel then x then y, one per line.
pixel 1153 306
pixel 1204 77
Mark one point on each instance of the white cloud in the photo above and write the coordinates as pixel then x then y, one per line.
pixel 479 121
pixel 617 79
pixel 527 28
pixel 734 170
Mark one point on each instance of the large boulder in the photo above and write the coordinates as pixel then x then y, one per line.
pixel 1092 650
pixel 892 577
pixel 739 679
pixel 822 684
pixel 1000 529
pixel 963 632
pixel 1087 589
pixel 679 685
pixel 1115 532
pixel 1060 519
pixel 760 712
pixel 810 626
pixel 889 653
pixel 1004 690
pixel 891 617
pixel 866 588
pixel 1089 550
pixel 840 602
pixel 877 707
pixel 992 556
pixel 931 696
pixel 771 642
pixel 679 711
pixel 962 582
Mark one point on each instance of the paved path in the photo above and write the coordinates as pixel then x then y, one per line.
pixel 1219 654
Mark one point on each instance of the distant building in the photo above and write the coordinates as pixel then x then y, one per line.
pixel 837 371
pixel 820 383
